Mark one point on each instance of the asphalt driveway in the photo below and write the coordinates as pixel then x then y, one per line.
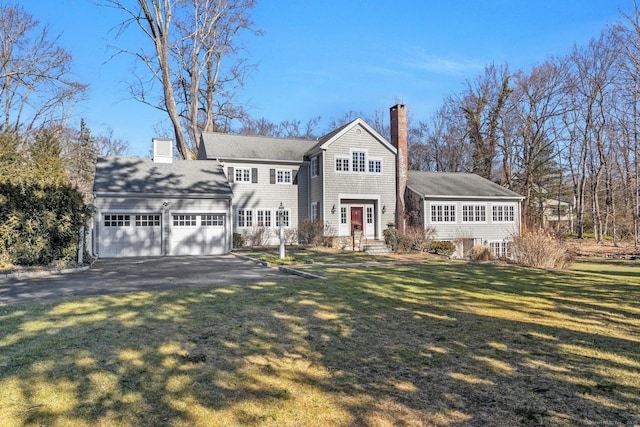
pixel 114 275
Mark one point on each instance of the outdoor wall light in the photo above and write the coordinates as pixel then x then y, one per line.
pixel 333 209
pixel 384 208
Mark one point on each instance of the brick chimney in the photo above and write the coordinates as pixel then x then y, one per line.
pixel 399 139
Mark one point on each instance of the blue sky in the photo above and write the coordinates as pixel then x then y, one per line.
pixel 325 58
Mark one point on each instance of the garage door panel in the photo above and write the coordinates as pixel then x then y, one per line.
pixel 124 235
pixel 201 234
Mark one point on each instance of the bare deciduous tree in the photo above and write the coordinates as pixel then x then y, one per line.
pixel 195 59
pixel 36 89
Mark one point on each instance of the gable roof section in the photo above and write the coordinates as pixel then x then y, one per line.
pixel 223 146
pixel 452 185
pixel 127 176
pixel 334 135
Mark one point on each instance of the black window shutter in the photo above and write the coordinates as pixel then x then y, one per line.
pixel 254 175
pixel 272 176
pixel 230 175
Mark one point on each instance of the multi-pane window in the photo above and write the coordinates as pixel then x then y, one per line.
pixel 283 176
pixel 443 213
pixel 343 215
pixel 263 218
pixel 147 220
pixel 474 213
pixel 503 213
pixel 245 218
pixel 342 164
pixel 285 218
pixel 314 210
pixel 242 174
pixel 358 159
pixel 369 215
pixel 212 220
pixel 375 166
pixel 184 220
pixel 117 220
pixel 501 249
pixel 315 168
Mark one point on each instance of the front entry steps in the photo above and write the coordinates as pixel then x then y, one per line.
pixel 376 247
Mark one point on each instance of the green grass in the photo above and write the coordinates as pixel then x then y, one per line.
pixel 438 343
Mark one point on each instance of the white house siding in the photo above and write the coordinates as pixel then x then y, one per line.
pixel 347 189
pixel 482 233
pixel 315 187
pixel 163 239
pixel 264 196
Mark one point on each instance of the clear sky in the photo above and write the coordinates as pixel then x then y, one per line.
pixel 325 58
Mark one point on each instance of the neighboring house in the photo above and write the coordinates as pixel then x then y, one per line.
pixel 160 206
pixel 557 215
pixel 465 209
pixel 351 179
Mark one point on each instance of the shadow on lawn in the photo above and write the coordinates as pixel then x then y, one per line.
pixel 432 344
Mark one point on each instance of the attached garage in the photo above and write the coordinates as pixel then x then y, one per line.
pixel 160 207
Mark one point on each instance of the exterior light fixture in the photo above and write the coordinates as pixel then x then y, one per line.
pixel 333 209
pixel 384 208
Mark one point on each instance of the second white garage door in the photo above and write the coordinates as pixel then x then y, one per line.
pixel 198 234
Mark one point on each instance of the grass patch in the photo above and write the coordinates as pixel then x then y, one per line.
pixel 436 343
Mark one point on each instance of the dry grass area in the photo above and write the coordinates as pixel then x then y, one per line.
pixel 422 344
pixel 589 248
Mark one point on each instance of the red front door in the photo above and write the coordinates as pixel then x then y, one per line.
pixel 356 218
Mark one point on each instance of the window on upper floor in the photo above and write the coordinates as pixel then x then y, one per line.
pixel 242 174
pixel 375 166
pixel 315 166
pixel 342 164
pixel 474 213
pixel 443 213
pixel 503 213
pixel 358 161
pixel 283 176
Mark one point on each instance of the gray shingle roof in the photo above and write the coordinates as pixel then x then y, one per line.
pixel 451 185
pixel 129 175
pixel 229 146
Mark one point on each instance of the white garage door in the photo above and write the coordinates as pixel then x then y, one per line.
pixel 198 234
pixel 122 235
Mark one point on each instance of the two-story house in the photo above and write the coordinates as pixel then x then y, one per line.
pixel 346 178
pixel 351 179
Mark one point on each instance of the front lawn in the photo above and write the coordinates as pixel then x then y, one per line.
pixel 439 343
